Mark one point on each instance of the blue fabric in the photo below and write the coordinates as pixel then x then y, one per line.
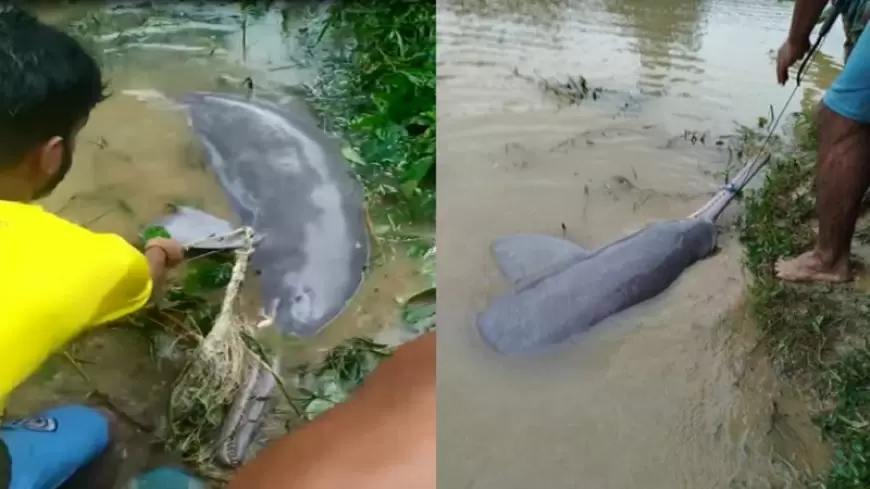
pixel 166 478
pixel 849 95
pixel 48 448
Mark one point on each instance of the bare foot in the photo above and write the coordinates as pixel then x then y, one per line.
pixel 809 268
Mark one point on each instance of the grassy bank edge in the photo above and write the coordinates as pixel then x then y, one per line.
pixel 816 334
pixel 378 93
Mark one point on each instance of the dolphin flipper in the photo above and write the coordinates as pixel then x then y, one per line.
pixel 523 254
pixel 190 226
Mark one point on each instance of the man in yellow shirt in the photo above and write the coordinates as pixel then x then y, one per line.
pixel 57 280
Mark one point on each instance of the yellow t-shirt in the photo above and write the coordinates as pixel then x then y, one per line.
pixel 57 280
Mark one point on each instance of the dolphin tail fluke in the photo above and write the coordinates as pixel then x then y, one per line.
pixel 523 254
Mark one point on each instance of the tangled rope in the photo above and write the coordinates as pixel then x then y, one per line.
pixel 217 368
pixel 220 346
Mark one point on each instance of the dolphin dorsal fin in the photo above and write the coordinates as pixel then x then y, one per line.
pixel 522 255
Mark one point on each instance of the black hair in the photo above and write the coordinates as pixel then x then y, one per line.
pixel 48 84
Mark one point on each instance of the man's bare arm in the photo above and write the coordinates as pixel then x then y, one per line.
pixel 805 16
pixel 383 437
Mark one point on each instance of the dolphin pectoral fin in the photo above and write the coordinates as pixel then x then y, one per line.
pixel 520 255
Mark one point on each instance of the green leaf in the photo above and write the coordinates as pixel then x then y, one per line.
pixel 317 407
pixel 152 232
pixel 352 156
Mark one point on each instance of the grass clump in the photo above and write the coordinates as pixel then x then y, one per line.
pixel 331 382
pixel 379 94
pixel 816 333
pixel 323 385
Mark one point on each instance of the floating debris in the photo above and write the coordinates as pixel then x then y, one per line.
pixel 571 91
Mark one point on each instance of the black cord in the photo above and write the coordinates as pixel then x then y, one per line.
pixel 826 28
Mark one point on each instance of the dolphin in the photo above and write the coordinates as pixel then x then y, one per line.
pixel 560 289
pixel 288 180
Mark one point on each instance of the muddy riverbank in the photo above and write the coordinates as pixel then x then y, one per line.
pixel 673 393
pixel 814 335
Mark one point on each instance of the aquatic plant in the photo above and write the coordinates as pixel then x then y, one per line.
pixel 379 93
pixel 571 91
pixel 344 368
pixel 321 386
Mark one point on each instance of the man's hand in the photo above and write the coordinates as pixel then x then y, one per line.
pixel 172 250
pixel 162 254
pixel 804 17
pixel 789 53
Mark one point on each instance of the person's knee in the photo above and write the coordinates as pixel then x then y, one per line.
pixel 97 423
pixel 837 128
pixel 49 447
pixel 823 114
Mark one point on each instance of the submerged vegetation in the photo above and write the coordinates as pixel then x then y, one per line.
pixel 572 91
pixel 817 334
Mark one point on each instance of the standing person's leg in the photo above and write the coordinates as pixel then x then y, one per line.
pixel 843 172
pixel 47 449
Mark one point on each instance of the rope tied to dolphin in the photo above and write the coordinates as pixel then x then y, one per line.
pixel 222 360
pixel 731 187
pixel 218 345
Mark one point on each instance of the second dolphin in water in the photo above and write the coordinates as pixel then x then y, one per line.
pixel 560 289
pixel 288 180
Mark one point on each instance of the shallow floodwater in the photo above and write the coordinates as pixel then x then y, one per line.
pixel 134 157
pixel 666 395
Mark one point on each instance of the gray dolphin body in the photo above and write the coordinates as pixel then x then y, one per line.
pixel 560 289
pixel 288 180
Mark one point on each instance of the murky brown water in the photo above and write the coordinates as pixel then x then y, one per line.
pixel 134 157
pixel 658 397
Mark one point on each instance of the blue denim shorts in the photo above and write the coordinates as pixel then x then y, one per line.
pixel 849 95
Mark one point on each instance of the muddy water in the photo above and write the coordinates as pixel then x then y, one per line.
pixel 135 156
pixel 666 395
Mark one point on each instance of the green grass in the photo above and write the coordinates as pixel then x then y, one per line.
pixel 816 334
pixel 379 94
